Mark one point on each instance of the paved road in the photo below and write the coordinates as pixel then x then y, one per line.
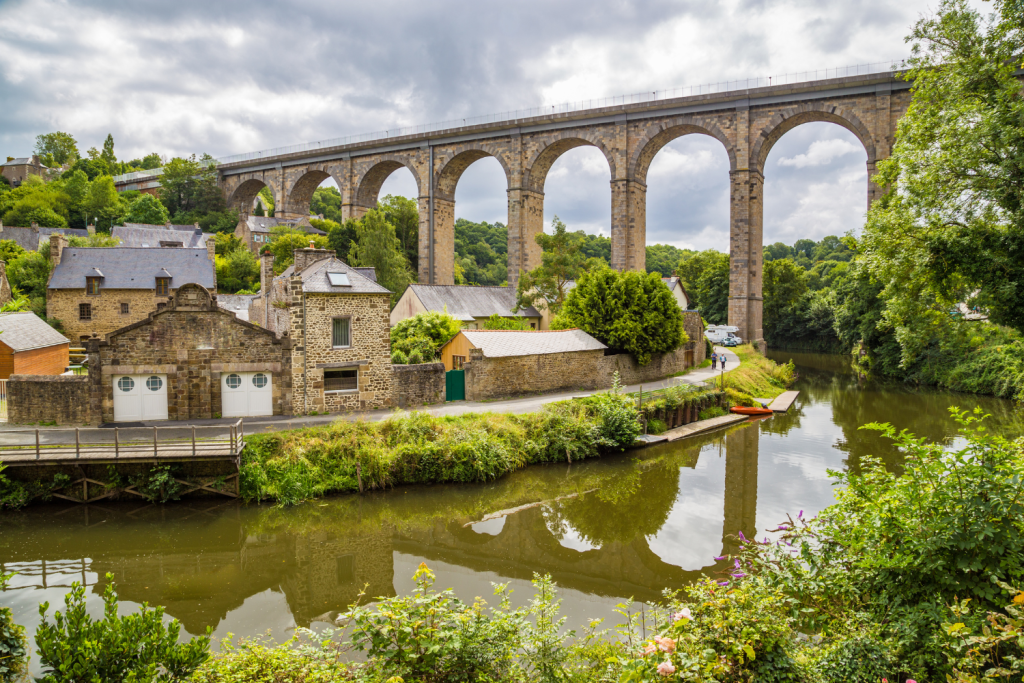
pixel 15 435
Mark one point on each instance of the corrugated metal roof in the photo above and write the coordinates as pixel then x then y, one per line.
pixel 138 235
pixel 468 302
pixel 25 331
pixel 503 343
pixel 29 238
pixel 132 267
pixel 314 279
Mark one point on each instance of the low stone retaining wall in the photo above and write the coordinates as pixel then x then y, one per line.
pixel 61 399
pixel 417 385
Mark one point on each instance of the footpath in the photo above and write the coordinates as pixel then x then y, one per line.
pixel 525 404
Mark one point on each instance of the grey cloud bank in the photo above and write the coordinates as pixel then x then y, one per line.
pixel 231 77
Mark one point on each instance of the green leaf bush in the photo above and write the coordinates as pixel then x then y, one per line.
pixel 13 643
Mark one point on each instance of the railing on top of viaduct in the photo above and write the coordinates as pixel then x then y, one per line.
pixel 565 108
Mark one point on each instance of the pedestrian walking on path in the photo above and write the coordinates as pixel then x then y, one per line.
pixel 722 358
pixel 714 360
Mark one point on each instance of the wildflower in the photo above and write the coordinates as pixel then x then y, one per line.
pixel 720 558
pixel 801 515
pixel 742 537
pixel 911 680
pixel 665 644
pixel 737 575
pixel 650 648
pixel 666 669
pixel 723 583
pixel 737 564
pixel 682 614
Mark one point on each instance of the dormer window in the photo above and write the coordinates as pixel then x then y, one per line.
pixel 163 285
pixel 92 286
pixel 338 279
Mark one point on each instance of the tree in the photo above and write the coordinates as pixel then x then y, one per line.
pixel 147 209
pixel 327 203
pixel 425 332
pixel 340 237
pixel 562 261
pixel 237 270
pixel 10 250
pixel 29 274
pixel 376 245
pixel 705 275
pixel 56 149
pixel 108 152
pixel 952 223
pixel 36 201
pixel 404 214
pixel 103 204
pixel 189 186
pixel 285 240
pixel 498 322
pixel 785 283
pixel 76 185
pixel 633 312
pixel 663 258
pixel 267 198
pixel 92 168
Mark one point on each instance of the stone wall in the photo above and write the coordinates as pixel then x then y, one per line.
pixel 193 343
pixel 417 385
pixel 488 378
pixel 312 354
pixel 63 399
pixel 62 304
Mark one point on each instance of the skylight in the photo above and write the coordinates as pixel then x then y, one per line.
pixel 338 279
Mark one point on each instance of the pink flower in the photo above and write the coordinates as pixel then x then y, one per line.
pixel 682 614
pixel 665 644
pixel 666 669
pixel 650 648
pixel 911 680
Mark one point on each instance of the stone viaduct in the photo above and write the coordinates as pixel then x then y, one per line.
pixel 746 122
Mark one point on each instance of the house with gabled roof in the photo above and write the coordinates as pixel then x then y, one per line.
pixel 337 319
pixel 469 304
pixel 34 238
pixel 155 236
pixel 17 170
pixel 255 231
pixel 94 291
pixel 29 346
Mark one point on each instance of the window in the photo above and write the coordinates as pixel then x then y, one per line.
pixel 92 285
pixel 85 311
pixel 457 362
pixel 338 279
pixel 161 306
pixel 124 308
pixel 341 336
pixel 233 381
pixel 341 380
pixel 259 380
pixel 162 285
pixel 154 383
pixel 126 384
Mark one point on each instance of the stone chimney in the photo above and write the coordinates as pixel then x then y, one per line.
pixel 168 225
pixel 57 244
pixel 266 284
pixel 310 255
pixel 35 225
pixel 91 229
pixel 211 251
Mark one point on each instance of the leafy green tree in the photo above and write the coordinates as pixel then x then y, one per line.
pixel 498 322
pixel 189 186
pixel 376 245
pixel 44 203
pixel 633 312
pixel 481 253
pixel 227 243
pixel 404 214
pixel 147 209
pixel 705 275
pixel 92 168
pixel 953 221
pixel 327 203
pixel 237 270
pixel 103 203
pixel 426 331
pixel 562 262
pixel 29 274
pixel 10 250
pixel 285 240
pixel 340 237
pixel 108 151
pixel 785 284
pixel 663 258
pixel 268 200
pixel 100 239
pixel 136 648
pixel 56 149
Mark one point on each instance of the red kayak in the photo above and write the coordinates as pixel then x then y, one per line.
pixel 744 410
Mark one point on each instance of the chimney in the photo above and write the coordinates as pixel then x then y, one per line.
pixel 310 255
pixel 168 225
pixel 266 283
pixel 57 244
pixel 34 225
pixel 91 229
pixel 211 251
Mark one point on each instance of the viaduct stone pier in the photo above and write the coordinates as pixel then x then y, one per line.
pixel 746 122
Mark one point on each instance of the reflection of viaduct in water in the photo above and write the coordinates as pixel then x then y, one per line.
pixel 202 568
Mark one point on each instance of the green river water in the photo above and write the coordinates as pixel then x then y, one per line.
pixel 623 526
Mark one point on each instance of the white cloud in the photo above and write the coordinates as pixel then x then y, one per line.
pixel 821 153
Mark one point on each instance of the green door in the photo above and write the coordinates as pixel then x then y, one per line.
pixel 455 385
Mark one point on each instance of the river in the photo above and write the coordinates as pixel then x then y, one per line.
pixel 623 526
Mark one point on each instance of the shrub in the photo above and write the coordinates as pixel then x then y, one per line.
pixel 497 322
pixel 398 357
pixel 13 643
pixel 655 426
pixel 431 330
pixel 415 357
pixel 712 412
pixel 138 647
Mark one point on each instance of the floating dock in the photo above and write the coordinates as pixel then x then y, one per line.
pixel 702 426
pixel 784 401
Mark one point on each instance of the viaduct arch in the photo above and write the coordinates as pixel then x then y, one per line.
pixel 746 122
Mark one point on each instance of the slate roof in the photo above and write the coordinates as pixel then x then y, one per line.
pixel 369 272
pixel 673 283
pixel 503 343
pixel 265 223
pixel 21 161
pixel 468 302
pixel 131 267
pixel 314 279
pixel 29 238
pixel 25 331
pixel 139 235
pixel 236 303
pixel 149 226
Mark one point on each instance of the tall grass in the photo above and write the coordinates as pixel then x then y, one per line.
pixel 757 376
pixel 418 448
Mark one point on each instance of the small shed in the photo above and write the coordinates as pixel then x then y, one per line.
pixel 508 343
pixel 28 346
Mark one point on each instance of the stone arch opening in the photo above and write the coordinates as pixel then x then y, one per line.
pixel 300 194
pixel 659 136
pixel 787 120
pixel 371 182
pixel 539 166
pixel 244 195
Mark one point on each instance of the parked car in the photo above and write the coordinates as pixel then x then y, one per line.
pixel 731 340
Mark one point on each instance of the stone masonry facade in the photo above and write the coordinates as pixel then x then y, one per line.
pixel 193 342
pixel 60 399
pixel 747 123
pixel 418 385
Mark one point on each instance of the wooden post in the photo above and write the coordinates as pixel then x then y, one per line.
pixel 78 447
pixel 156 454
pixel 193 441
pixel 117 444
pixel 241 432
pixel 37 444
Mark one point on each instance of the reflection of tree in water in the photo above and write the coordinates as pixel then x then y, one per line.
pixel 633 506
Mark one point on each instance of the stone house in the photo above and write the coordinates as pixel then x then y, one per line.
pixel 189 360
pixel 18 170
pixel 94 291
pixel 144 235
pixel 255 231
pixel 28 346
pixel 337 319
pixel 469 304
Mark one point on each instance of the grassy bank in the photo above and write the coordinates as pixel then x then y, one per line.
pixel 756 377
pixel 418 448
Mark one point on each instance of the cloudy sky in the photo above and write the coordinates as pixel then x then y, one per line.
pixel 227 77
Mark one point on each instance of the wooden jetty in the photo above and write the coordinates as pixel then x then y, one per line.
pixel 205 464
pixel 784 401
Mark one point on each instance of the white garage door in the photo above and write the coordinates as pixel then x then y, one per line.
pixel 246 394
pixel 140 397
